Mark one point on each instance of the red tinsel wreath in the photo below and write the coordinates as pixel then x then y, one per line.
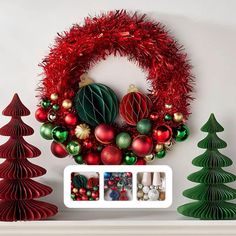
pixel 118 33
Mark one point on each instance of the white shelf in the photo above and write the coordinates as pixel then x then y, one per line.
pixel 107 222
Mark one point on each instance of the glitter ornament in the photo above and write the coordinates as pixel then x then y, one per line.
pixel 82 131
pixel 111 155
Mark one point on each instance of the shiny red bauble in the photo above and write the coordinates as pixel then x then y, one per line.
pixel 140 162
pixel 92 158
pixel 71 119
pixel 162 134
pixel 134 106
pixel 104 133
pixel 58 150
pixel 95 194
pixel 88 144
pixel 41 115
pixel 84 198
pixel 82 191
pixel 111 155
pixel 142 145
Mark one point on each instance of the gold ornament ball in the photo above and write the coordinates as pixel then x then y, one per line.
pixel 75 190
pixel 54 96
pixel 67 104
pixel 159 147
pixel 168 145
pixel 149 158
pixel 168 106
pixel 178 117
pixel 140 194
pixel 162 196
pixel 82 131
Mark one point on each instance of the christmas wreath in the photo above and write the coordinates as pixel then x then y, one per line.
pixel 79 115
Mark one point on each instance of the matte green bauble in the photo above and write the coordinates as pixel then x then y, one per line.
pixel 144 126
pixel 46 130
pixel 130 159
pixel 88 193
pixel 96 103
pixel 60 134
pixel 180 133
pixel 160 154
pixel 123 140
pixel 74 148
pixel 78 159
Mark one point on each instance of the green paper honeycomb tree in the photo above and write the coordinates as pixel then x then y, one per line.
pixel 211 194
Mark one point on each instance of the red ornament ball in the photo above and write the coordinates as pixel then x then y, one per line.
pixel 104 133
pixel 41 115
pixel 71 119
pixel 95 194
pixel 134 106
pixel 142 145
pixel 92 158
pixel 140 162
pixel 162 134
pixel 111 155
pixel 58 150
pixel 82 191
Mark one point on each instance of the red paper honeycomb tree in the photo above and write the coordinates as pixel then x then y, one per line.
pixel 17 189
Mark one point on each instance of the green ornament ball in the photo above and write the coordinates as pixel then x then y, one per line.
pixel 60 134
pixel 130 159
pixel 78 159
pixel 55 107
pixel 96 103
pixel 180 133
pixel 144 126
pixel 88 193
pixel 91 199
pixel 45 103
pixel 161 154
pixel 123 140
pixel 73 196
pixel 46 130
pixel 95 188
pixel 73 148
pixel 168 117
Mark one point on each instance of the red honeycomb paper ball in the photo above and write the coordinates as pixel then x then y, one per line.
pixel 134 106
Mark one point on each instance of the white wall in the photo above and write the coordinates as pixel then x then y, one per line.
pixel 207 28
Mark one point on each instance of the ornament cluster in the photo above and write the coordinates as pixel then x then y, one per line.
pixel 151 187
pixel 83 188
pixel 118 186
pixel 83 126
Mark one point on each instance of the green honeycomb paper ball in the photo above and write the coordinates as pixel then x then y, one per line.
pixel 96 103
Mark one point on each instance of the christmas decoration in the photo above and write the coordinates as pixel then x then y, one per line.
pixel 142 145
pixel 111 155
pixel 80 108
pixel 96 104
pixel 17 189
pixel 134 106
pixel 92 158
pixel 46 130
pixel 84 188
pixel 104 133
pixel 162 134
pixel 58 150
pixel 130 158
pixel 211 194
pixel 150 185
pixel 73 148
pixel 118 186
pixel 123 140
pixel 144 126
pixel 82 131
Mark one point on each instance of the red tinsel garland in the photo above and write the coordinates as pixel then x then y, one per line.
pixel 119 33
